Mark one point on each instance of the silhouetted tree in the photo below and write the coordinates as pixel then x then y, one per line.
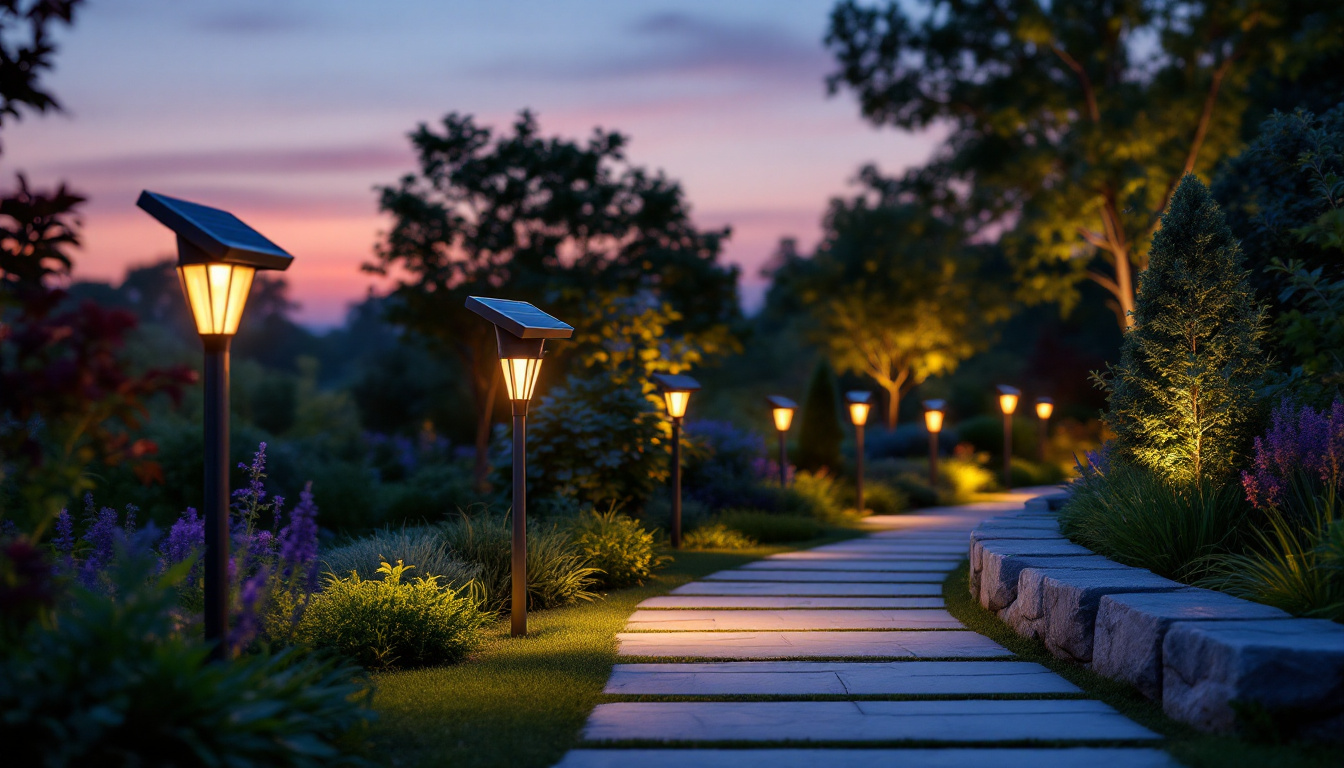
pixel 819 434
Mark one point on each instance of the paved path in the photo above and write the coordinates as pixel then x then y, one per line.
pixel 844 656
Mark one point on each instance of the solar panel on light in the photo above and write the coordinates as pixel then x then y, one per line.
pixel 777 401
pixel 520 318
pixel 858 396
pixel 211 234
pixel 675 382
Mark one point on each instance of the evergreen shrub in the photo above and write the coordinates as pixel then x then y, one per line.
pixel 819 433
pixel 618 546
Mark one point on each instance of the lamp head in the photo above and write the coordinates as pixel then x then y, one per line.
pixel 676 391
pixel 860 403
pixel 1008 397
pixel 1045 408
pixel 782 409
pixel 521 331
pixel 217 257
pixel 933 415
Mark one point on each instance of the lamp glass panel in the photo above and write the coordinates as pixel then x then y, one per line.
pixel 520 376
pixel 676 403
pixel 933 421
pixel 216 294
pixel 1008 403
pixel 1044 410
pixel 783 418
pixel 858 413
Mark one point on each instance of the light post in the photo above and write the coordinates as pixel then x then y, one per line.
pixel 1008 397
pixel 933 422
pixel 859 406
pixel 1045 407
pixel 217 257
pixel 521 331
pixel 677 395
pixel 782 409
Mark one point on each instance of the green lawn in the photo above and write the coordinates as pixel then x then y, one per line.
pixel 1192 748
pixel 520 703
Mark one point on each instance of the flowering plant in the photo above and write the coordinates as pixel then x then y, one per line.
pixel 1301 456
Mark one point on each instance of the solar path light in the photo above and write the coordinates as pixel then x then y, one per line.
pixel 1008 397
pixel 782 409
pixel 933 422
pixel 521 330
pixel 1045 408
pixel 217 257
pixel 859 405
pixel 677 395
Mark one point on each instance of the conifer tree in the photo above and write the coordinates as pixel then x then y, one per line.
pixel 819 435
pixel 1183 396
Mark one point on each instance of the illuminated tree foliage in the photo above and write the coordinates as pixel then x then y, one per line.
pixel 1183 396
pixel 1070 123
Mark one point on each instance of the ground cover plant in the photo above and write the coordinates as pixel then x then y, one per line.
pixel 387 623
pixel 422 546
pixel 770 528
pixel 716 535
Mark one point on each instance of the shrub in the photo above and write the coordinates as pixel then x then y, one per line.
pixel 1025 473
pixel 595 439
pixel 616 545
pixel 884 499
pixel 1140 518
pixel 964 478
pixel 716 536
pixel 115 682
pixel 819 495
pixel 985 432
pixel 430 494
pixel 385 624
pixel 819 433
pixel 423 546
pixel 1182 398
pixel 768 528
pixel 917 489
pixel 557 571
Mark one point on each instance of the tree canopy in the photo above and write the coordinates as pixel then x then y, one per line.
pixel 1070 124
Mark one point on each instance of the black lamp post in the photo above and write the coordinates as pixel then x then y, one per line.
pixel 1045 408
pixel 677 395
pixel 782 409
pixel 860 403
pixel 217 257
pixel 934 411
pixel 1008 397
pixel 521 331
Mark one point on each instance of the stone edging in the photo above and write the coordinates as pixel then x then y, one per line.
pixel 1205 655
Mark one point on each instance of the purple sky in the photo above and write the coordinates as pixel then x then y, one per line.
pixel 289 112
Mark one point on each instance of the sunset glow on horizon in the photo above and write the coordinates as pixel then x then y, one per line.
pixel 290 112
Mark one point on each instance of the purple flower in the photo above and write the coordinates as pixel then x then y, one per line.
pixel 1298 441
pixel 185 539
pixel 65 533
pixel 102 536
pixel 251 497
pixel 298 540
pixel 251 599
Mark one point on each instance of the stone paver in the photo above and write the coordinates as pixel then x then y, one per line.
pixel 857 619
pixel 808 589
pixel 845 565
pixel 716 620
pixel 894 644
pixel 748 603
pixel 973 720
pixel 852 577
pixel 836 677
pixel 1076 757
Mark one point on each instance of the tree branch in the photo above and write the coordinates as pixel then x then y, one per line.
pixel 1201 130
pixel 1088 93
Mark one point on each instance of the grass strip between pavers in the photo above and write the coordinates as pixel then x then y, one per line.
pixel 1187 745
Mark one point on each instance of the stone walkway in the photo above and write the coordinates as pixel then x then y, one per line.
pixel 843 656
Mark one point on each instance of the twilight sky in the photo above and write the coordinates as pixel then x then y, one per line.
pixel 289 112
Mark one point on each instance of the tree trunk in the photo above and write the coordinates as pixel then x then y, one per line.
pixel 893 404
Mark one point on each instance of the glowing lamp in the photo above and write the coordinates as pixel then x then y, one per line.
pixel 217 257
pixel 782 409
pixel 933 415
pixel 1008 397
pixel 676 395
pixel 521 331
pixel 1045 407
pixel 860 403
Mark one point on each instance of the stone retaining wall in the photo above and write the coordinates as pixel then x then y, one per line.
pixel 1205 655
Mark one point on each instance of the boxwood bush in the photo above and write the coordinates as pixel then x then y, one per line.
pixel 619 547
pixel 386 623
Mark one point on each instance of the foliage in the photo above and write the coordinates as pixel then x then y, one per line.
pixel 1182 398
pixel 894 292
pixel 116 682
pixel 819 432
pixel 883 499
pixel 26 52
pixel 819 495
pixel 1072 123
pixel 1300 458
pixel 985 433
pixel 963 478
pixel 1027 473
pixel 717 535
pixel 596 439
pixel 422 545
pixel 1141 518
pixel 770 528
pixel 618 546
pixel 723 473
pixel 385 623
pixel 557 572
pixel 531 216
